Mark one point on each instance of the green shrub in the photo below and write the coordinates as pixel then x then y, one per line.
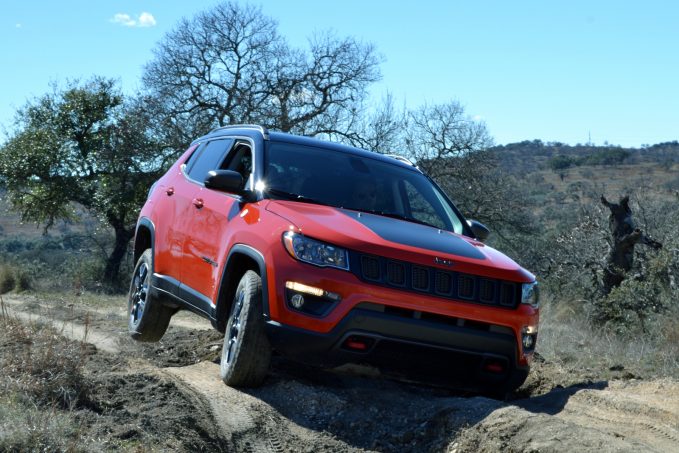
pixel 23 281
pixel 561 162
pixel 7 280
pixel 638 303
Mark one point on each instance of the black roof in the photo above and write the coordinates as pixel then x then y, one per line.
pixel 259 131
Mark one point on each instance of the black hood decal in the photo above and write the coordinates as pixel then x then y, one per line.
pixel 415 235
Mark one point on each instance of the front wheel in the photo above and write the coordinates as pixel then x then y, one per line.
pixel 246 353
pixel 148 317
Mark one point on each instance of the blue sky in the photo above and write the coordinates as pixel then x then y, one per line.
pixel 556 71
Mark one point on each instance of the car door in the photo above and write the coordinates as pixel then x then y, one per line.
pixel 211 154
pixel 175 193
pixel 205 247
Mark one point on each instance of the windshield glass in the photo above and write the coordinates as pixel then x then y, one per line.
pixel 319 175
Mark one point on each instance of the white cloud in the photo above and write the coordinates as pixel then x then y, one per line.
pixel 478 118
pixel 18 25
pixel 143 20
pixel 146 20
pixel 123 19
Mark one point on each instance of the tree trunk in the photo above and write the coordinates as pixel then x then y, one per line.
pixel 112 270
pixel 624 237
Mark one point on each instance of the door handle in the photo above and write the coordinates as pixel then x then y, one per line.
pixel 170 191
pixel 198 202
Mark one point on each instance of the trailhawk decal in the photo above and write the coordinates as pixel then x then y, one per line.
pixel 415 235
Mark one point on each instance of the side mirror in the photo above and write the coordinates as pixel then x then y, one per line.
pixel 224 180
pixel 227 181
pixel 479 229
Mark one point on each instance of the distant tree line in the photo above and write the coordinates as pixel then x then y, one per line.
pixel 532 155
pixel 607 156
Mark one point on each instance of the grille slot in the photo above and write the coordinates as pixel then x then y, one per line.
pixel 507 294
pixel 396 273
pixel 370 267
pixel 420 278
pixel 465 287
pixel 444 283
pixel 487 291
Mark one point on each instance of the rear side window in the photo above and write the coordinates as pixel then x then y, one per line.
pixel 207 157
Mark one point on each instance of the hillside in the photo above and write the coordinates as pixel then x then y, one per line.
pixel 532 155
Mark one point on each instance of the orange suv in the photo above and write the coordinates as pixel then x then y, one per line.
pixel 327 254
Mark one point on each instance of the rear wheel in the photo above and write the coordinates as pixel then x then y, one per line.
pixel 148 317
pixel 246 353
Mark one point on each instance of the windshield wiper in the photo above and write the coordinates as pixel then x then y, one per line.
pixel 292 196
pixel 395 215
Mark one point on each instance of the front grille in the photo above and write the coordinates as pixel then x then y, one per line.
pixel 435 281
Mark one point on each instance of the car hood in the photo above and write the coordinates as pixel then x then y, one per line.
pixel 398 239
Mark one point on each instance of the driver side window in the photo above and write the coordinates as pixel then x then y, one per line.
pixel 207 158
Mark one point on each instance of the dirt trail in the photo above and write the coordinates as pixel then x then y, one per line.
pixel 183 319
pixel 69 329
pixel 614 416
pixel 303 409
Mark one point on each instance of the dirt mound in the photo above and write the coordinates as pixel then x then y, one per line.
pixel 180 347
pixel 143 408
pixel 615 416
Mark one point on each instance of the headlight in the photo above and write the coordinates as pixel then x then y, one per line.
pixel 530 294
pixel 315 252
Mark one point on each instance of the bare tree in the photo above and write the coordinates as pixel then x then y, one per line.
pixel 437 133
pixel 453 148
pixel 320 91
pixel 379 129
pixel 230 65
pixel 624 236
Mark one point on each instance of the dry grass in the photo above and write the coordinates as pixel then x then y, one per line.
pixel 41 383
pixel 570 341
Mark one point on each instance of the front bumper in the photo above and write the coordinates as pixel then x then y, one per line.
pixel 431 349
pixel 346 314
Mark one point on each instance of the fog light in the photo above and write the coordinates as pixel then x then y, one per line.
pixel 311 290
pixel 529 336
pixel 297 301
pixel 318 292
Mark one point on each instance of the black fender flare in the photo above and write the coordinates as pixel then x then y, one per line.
pixel 145 222
pixel 228 282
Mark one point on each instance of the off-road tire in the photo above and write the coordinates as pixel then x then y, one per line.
pixel 246 353
pixel 148 318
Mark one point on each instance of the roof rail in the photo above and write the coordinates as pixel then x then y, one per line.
pixel 405 160
pixel 262 129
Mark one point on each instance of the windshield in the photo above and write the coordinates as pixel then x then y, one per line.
pixel 343 180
